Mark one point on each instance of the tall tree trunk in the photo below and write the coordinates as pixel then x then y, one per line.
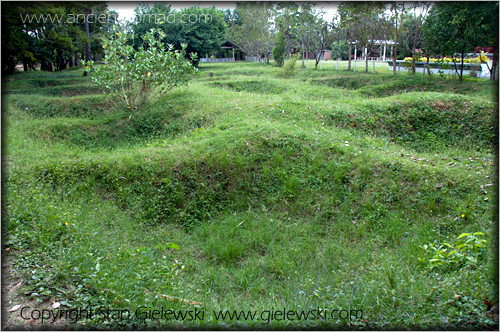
pixel 61 63
pixel 70 62
pixel 46 65
pixel 350 55
pixel 76 59
pixel 366 61
pixel 494 64
pixel 413 56
pixel 395 52
pixel 303 56
pixel 461 69
pixel 428 69
pixel 25 64
pixel 456 69
pixel 394 56
pixel 88 52
pixel 287 35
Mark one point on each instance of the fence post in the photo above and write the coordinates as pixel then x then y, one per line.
pixel 337 65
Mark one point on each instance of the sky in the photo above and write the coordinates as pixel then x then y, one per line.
pixel 126 9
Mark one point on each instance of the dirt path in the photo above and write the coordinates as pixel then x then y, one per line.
pixel 13 301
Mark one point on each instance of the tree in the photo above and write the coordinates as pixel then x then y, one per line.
pixel 45 33
pixel 413 33
pixel 88 9
pixel 430 44
pixel 202 35
pixel 362 23
pixel 15 40
pixel 316 35
pixel 287 16
pixel 203 30
pixel 143 76
pixel 460 26
pixel 255 35
pixel 397 11
pixel 280 48
pixel 305 17
pixel 340 50
pixel 25 29
pixel 159 16
pixel 232 17
pixel 88 52
pixel 346 25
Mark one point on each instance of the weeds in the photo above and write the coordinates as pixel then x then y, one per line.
pixel 320 193
pixel 289 67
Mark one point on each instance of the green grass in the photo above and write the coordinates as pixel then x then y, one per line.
pixel 316 191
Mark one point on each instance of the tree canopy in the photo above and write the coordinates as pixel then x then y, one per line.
pixel 203 30
pixel 55 35
pixel 51 34
pixel 363 21
pixel 255 35
pixel 458 27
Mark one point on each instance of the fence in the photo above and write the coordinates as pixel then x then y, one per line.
pixel 216 59
pixel 480 69
pixel 253 58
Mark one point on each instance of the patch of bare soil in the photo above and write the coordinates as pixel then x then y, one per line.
pixel 13 302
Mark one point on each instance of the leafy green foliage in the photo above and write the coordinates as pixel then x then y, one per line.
pixel 316 34
pixel 466 251
pixel 140 77
pixel 422 125
pixel 51 35
pixel 251 86
pixel 340 50
pixel 289 67
pixel 201 29
pixel 363 22
pixel 279 49
pixel 254 35
pixel 460 27
pixel 273 198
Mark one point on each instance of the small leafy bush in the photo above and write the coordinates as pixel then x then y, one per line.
pixel 289 66
pixel 140 77
pixel 465 252
pixel 279 49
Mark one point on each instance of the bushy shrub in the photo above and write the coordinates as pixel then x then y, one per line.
pixel 279 49
pixel 289 66
pixel 139 77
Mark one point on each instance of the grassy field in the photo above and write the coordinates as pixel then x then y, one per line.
pixel 245 191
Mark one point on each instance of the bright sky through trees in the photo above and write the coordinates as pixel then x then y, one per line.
pixel 126 9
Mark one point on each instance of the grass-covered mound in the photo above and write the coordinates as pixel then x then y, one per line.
pixel 280 193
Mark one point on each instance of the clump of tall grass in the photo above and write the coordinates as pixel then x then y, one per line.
pixel 289 67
